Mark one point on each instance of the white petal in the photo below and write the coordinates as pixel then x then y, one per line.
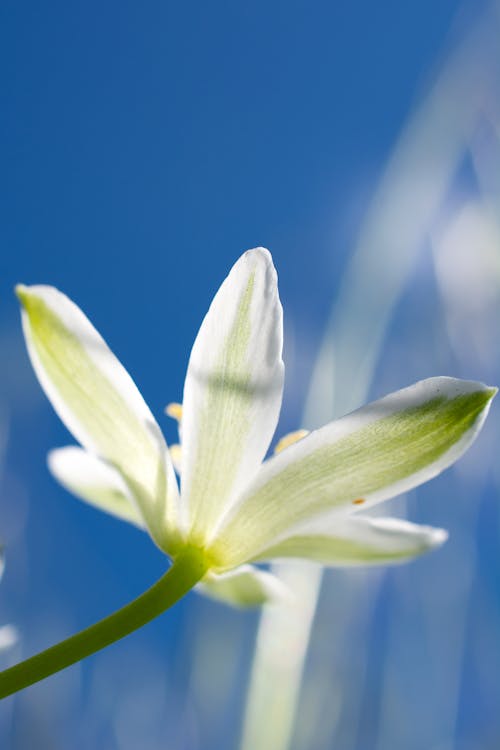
pixel 374 453
pixel 8 633
pixel 99 403
pixel 95 482
pixel 9 636
pixel 357 541
pixel 245 586
pixel 233 390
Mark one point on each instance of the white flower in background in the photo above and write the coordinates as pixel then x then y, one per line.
pixel 8 633
pixel 303 502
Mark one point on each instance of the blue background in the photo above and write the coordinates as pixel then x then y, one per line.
pixel 143 147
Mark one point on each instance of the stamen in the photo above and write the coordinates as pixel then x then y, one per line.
pixel 174 410
pixel 359 501
pixel 290 439
pixel 175 451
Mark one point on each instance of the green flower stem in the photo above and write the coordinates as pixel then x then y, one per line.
pixel 188 568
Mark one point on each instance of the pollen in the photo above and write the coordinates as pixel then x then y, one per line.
pixel 359 501
pixel 290 439
pixel 174 410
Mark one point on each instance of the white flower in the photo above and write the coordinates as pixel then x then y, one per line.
pixel 303 502
pixel 8 633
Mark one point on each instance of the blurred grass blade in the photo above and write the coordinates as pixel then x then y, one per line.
pixel 412 189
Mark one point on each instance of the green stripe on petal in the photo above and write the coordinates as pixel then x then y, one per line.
pixel 245 586
pixel 95 482
pixel 373 454
pixel 99 403
pixel 233 391
pixel 355 541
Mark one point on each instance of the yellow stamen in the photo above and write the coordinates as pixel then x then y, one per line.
pixel 174 410
pixel 175 451
pixel 290 439
pixel 359 501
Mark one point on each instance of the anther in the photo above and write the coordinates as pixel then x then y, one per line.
pixel 290 439
pixel 175 451
pixel 174 410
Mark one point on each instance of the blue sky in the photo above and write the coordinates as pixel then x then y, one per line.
pixel 144 147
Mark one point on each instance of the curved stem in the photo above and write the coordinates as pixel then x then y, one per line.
pixel 188 568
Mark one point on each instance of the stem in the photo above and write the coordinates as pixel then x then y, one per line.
pixel 188 568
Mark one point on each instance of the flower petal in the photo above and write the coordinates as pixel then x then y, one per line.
pixel 245 586
pixel 233 390
pixel 374 453
pixel 9 636
pixel 95 482
pixel 358 541
pixel 99 403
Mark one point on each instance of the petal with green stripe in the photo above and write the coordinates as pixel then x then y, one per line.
pixel 100 404
pixel 355 540
pixel 375 453
pixel 95 482
pixel 245 586
pixel 233 391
